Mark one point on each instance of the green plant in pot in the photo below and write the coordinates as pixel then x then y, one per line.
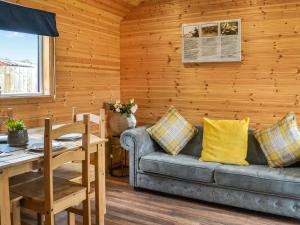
pixel 17 133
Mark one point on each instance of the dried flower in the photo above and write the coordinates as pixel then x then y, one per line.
pixel 134 109
pixel 129 108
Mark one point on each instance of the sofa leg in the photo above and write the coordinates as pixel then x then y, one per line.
pixel 137 189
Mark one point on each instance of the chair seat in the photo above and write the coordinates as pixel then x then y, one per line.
pixel 284 182
pixel 64 191
pixel 182 166
pixel 73 172
pixel 24 178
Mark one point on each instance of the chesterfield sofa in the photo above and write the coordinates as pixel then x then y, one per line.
pixel 255 187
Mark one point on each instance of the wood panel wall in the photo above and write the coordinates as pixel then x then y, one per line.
pixel 87 58
pixel 264 86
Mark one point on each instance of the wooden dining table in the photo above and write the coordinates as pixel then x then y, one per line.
pixel 19 160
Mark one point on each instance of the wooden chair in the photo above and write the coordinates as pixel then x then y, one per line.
pixel 72 171
pixel 50 195
pixel 22 178
pixel 5 114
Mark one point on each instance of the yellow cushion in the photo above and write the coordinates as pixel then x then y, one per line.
pixel 281 142
pixel 172 132
pixel 225 141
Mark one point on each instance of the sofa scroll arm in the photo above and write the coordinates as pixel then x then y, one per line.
pixel 138 142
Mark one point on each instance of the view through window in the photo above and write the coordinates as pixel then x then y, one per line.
pixel 19 63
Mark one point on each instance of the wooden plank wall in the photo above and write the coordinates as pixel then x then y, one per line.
pixel 87 58
pixel 264 86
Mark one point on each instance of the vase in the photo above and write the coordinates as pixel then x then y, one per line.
pixel 118 123
pixel 17 138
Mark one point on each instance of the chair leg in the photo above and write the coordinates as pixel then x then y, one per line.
pixel 100 185
pixel 87 220
pixel 40 219
pixel 103 182
pixel 16 215
pixel 71 218
pixel 49 219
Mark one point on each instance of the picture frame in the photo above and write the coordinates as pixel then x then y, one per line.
pixel 213 41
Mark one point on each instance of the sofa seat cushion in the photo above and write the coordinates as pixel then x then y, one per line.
pixel 259 178
pixel 182 166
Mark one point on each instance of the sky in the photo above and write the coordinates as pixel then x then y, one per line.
pixel 18 46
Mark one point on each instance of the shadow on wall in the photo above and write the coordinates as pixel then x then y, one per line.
pixel 206 65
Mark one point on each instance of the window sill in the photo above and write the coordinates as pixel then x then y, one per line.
pixel 25 99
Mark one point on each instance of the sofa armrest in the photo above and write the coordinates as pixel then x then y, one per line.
pixel 139 143
pixel 138 140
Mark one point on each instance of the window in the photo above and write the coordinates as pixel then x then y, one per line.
pixel 26 64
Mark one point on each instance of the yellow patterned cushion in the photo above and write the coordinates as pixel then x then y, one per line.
pixel 172 132
pixel 281 142
pixel 225 141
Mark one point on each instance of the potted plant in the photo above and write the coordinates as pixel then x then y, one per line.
pixel 122 117
pixel 17 133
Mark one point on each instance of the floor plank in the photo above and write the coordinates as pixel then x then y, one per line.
pixel 128 207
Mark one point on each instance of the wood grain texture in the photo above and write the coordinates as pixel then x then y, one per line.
pixel 128 207
pixel 264 86
pixel 133 2
pixel 87 59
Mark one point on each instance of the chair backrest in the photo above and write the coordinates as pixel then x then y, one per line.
pixel 52 161
pixel 100 120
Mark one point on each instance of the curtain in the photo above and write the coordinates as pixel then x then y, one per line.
pixel 27 20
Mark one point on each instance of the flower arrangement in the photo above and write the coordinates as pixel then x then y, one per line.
pixel 15 125
pixel 124 108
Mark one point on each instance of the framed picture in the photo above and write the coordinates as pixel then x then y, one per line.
pixel 217 41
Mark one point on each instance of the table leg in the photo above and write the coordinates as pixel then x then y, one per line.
pixel 4 199
pixel 103 179
pixel 100 185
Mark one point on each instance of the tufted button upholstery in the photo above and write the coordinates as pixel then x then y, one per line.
pixel 259 178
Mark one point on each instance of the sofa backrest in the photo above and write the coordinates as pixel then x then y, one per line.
pixel 194 147
pixel 255 155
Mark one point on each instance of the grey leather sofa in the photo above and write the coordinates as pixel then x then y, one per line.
pixel 255 187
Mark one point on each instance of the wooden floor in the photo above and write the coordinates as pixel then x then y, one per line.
pixel 127 207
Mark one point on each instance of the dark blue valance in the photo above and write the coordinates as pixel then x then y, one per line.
pixel 26 20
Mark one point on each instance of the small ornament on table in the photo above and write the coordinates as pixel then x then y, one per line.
pixel 17 133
